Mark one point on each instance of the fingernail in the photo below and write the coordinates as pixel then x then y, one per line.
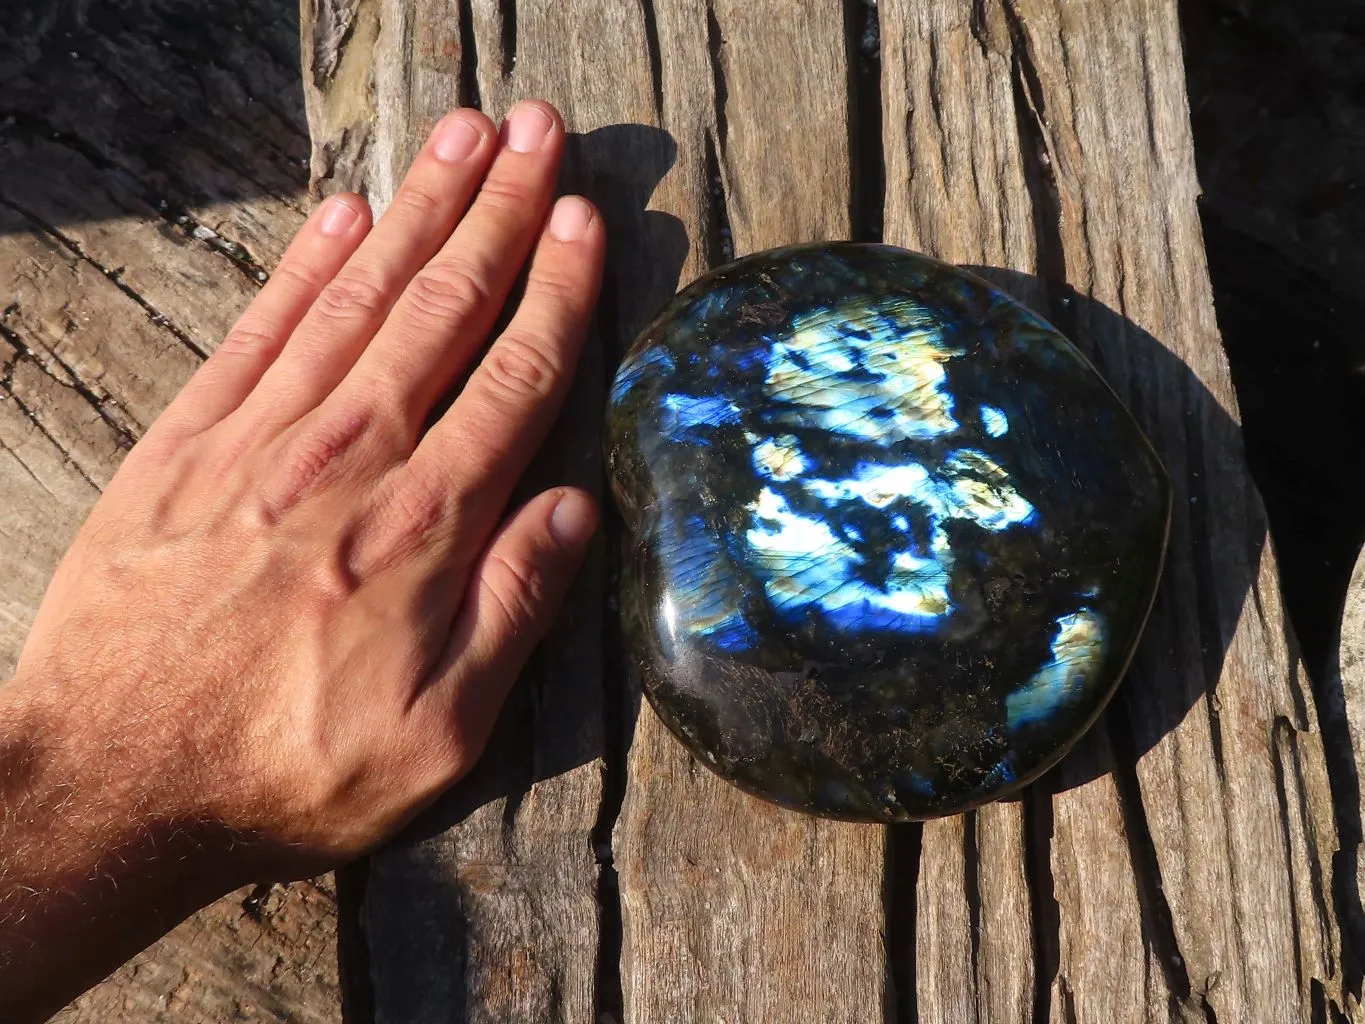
pixel 337 217
pixel 527 127
pixel 454 139
pixel 573 520
pixel 570 219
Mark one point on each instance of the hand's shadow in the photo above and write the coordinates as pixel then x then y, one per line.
pixel 1214 553
pixel 563 711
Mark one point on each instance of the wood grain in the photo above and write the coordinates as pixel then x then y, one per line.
pixel 1344 715
pixel 780 919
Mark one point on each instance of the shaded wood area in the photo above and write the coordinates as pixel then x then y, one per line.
pixel 1179 865
pixel 152 169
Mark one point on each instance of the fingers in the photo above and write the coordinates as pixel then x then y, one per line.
pixel 472 458
pixel 448 308
pixel 351 308
pixel 513 597
pixel 324 243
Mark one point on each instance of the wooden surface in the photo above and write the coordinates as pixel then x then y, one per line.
pixel 1182 865
pixel 1179 865
pixel 151 172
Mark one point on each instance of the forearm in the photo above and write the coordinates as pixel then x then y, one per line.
pixel 94 864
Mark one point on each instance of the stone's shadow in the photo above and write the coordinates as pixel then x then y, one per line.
pixel 568 712
pixel 1213 555
pixel 549 727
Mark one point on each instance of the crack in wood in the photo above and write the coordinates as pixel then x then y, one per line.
pixel 1287 736
pixel 720 239
pixel 901 875
pixel 620 707
pixel 1282 730
pixel 720 93
pixel 1043 906
pixel 1030 111
pixel 156 316
pixel 469 57
pixel 26 353
pixel 971 885
pixel 867 205
pixel 1158 925
pixel 978 25
pixel 656 73
pixel 507 34
pixel 353 949
pixel 941 130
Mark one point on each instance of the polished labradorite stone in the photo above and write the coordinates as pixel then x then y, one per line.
pixel 890 539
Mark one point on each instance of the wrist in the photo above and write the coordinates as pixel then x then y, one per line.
pixel 104 801
pixel 93 853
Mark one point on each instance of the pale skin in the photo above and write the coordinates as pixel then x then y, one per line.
pixel 292 618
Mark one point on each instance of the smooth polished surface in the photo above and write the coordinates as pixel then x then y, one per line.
pixel 890 539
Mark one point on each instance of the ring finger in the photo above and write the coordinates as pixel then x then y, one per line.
pixel 351 309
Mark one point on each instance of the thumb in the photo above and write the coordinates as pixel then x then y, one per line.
pixel 515 593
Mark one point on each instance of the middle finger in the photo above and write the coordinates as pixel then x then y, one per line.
pixel 447 310
pixel 350 310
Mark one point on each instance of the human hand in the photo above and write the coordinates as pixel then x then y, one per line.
pixel 293 616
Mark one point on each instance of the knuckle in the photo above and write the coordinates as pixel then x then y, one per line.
pixel 559 289
pixel 314 455
pixel 418 201
pixel 505 196
pixel 351 296
pixel 520 368
pixel 248 339
pixel 415 507
pixel 518 586
pixel 405 514
pixel 297 276
pixel 452 291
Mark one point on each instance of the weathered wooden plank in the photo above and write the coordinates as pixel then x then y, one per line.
pixel 1345 713
pixel 126 175
pixel 262 955
pixel 1179 861
pixel 494 914
pixel 783 918
pixel 758 158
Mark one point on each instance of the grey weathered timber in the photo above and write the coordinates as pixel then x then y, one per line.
pixel 1343 713
pixel 1179 865
pixel 145 190
pixel 1191 836
pixel 733 909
